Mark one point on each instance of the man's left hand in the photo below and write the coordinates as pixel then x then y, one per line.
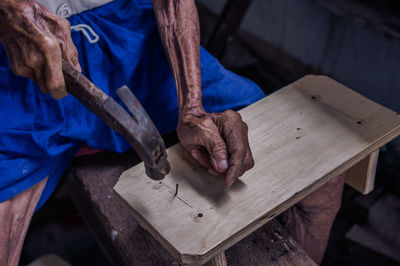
pixel 218 141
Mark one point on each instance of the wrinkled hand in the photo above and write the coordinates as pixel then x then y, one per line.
pixel 35 41
pixel 218 141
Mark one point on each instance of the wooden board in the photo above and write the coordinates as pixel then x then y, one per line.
pixel 302 136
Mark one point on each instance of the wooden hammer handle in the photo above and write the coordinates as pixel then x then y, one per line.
pixel 83 90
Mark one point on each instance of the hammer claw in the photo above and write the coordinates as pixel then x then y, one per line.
pixel 132 103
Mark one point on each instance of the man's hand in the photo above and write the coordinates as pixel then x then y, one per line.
pixel 35 41
pixel 218 141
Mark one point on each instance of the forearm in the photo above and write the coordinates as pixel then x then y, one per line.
pixel 180 34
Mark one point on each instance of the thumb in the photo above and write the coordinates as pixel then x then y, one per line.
pixel 217 149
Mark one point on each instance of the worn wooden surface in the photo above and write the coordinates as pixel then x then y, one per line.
pixel 301 136
pixel 361 176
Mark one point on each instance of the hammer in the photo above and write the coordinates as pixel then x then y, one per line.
pixel 137 128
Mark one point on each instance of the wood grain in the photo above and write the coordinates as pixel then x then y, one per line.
pixel 361 176
pixel 302 136
pixel 219 260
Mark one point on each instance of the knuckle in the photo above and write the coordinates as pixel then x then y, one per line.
pixel 218 147
pixel 245 126
pixel 250 163
pixel 74 52
pixel 49 44
pixel 55 85
pixel 232 114
pixel 35 61
pixel 21 70
pixel 57 93
pixel 65 25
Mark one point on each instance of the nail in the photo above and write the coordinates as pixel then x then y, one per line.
pixel 223 164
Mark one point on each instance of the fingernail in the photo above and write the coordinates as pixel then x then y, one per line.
pixel 223 164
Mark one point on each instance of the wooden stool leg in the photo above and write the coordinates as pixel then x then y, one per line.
pixel 361 176
pixel 219 260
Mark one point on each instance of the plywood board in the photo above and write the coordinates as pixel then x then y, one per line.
pixel 301 136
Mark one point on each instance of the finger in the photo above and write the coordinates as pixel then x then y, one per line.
pixel 17 59
pixel 237 152
pixel 235 170
pixel 39 79
pixel 54 79
pixel 202 157
pixel 217 149
pixel 232 131
pixel 69 51
pixel 73 56
pixel 35 63
pixel 248 159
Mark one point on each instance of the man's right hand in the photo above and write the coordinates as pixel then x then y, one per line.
pixel 35 41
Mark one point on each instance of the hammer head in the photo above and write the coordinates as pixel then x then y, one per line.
pixel 140 132
pixel 138 128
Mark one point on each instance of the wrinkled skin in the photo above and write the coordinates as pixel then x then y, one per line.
pixel 15 216
pixel 218 141
pixel 35 41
